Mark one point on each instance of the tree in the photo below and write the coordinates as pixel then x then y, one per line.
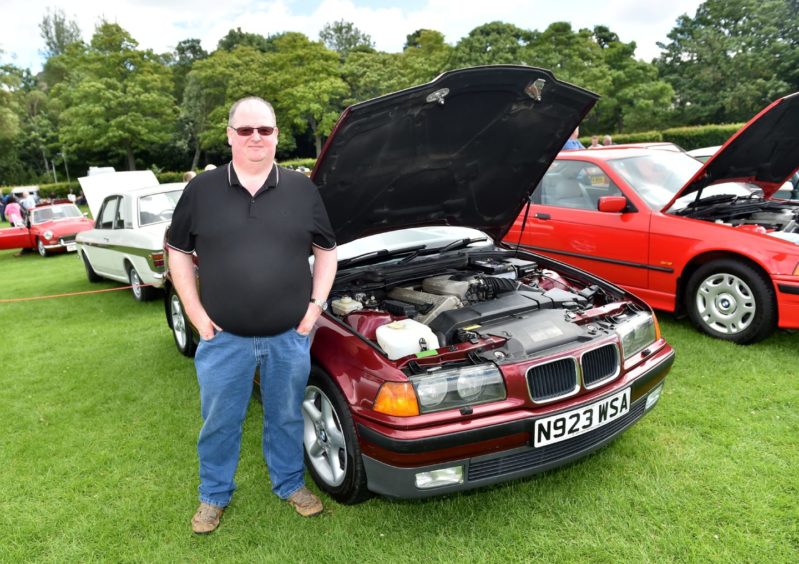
pixel 732 58
pixel 187 52
pixel 237 38
pixel 426 55
pixel 343 37
pixel 10 81
pixel 58 32
pixel 493 43
pixel 116 99
pixel 305 87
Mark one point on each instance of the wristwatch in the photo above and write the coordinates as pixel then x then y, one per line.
pixel 321 303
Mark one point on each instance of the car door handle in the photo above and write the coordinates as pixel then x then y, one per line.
pixel 542 215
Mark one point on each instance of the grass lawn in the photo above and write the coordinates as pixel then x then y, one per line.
pixel 100 414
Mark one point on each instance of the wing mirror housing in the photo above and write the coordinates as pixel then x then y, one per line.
pixel 612 204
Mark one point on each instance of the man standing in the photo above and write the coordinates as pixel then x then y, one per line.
pixel 573 143
pixel 252 225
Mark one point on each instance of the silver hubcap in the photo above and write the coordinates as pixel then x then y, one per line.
pixel 323 438
pixel 178 322
pixel 135 284
pixel 725 303
pixel 40 247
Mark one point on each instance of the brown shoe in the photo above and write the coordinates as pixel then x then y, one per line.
pixel 206 520
pixel 305 502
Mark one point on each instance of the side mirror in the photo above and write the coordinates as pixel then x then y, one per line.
pixel 612 204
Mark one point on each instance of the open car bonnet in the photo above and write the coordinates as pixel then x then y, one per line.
pixel 764 152
pixel 98 186
pixel 466 149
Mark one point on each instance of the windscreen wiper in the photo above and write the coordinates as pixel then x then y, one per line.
pixel 382 253
pixel 457 244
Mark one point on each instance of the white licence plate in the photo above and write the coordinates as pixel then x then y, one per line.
pixel 71 247
pixel 572 423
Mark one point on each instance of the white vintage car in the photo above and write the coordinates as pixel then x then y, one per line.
pixel 131 212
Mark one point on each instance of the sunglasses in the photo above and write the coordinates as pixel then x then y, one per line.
pixel 246 131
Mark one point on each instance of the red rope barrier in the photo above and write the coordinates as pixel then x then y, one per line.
pixel 12 300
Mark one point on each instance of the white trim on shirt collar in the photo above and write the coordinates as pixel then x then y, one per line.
pixel 274 165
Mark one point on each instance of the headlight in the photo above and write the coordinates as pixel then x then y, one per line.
pixel 637 333
pixel 48 235
pixel 457 387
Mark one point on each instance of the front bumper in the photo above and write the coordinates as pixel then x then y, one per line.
pixel 68 246
pixel 478 471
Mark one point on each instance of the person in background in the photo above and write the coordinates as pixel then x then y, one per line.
pixel 28 202
pixel 594 142
pixel 189 175
pixel 607 141
pixel 2 206
pixel 573 143
pixel 209 166
pixel 14 214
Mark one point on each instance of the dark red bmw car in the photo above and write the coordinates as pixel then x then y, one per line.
pixel 448 360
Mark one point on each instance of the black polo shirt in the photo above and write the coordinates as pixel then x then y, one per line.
pixel 252 251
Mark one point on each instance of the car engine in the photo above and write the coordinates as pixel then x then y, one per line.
pixel 464 299
pixel 768 217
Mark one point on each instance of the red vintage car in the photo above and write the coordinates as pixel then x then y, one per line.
pixel 49 228
pixel 708 240
pixel 447 360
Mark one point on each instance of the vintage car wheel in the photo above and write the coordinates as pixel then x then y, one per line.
pixel 140 292
pixel 40 247
pixel 332 454
pixel 90 273
pixel 730 300
pixel 181 330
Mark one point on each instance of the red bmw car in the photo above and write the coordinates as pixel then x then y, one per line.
pixel 447 360
pixel 50 228
pixel 708 240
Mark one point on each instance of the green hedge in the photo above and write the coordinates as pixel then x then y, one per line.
pixel 700 136
pixel 165 177
pixel 294 163
pixel 688 138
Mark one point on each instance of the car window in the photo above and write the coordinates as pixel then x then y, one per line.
pixel 54 213
pixel 108 213
pixel 574 184
pixel 155 208
pixel 656 176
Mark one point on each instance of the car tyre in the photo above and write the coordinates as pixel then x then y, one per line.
pixel 41 248
pixel 332 454
pixel 140 292
pixel 181 329
pixel 730 300
pixel 90 273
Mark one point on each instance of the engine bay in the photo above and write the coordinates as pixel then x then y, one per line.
pixel 752 213
pixel 515 300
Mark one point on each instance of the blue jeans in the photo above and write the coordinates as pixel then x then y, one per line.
pixel 225 368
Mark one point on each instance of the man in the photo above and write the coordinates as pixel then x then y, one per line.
pixel 573 143
pixel 594 142
pixel 28 202
pixel 252 225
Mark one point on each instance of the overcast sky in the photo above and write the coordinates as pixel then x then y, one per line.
pixel 161 24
